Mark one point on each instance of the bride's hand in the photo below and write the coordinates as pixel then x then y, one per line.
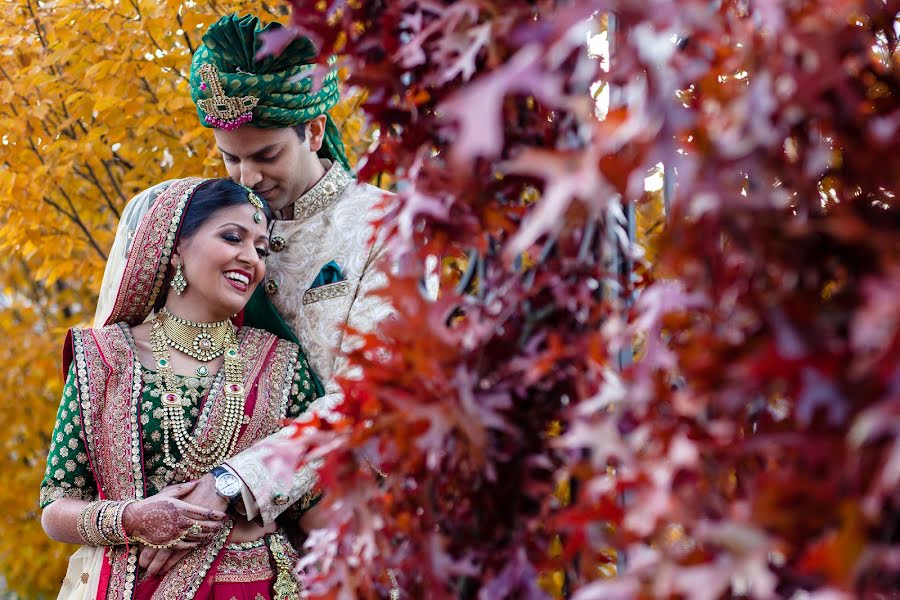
pixel 164 518
pixel 159 562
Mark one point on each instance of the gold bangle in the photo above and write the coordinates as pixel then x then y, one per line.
pixel 105 523
pixel 89 523
pixel 80 522
pixel 120 516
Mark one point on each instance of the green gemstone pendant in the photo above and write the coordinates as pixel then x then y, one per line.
pixel 202 371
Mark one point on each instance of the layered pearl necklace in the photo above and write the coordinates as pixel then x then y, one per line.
pixel 197 458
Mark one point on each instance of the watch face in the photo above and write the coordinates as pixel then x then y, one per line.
pixel 228 485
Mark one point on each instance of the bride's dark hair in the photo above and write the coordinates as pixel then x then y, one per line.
pixel 209 198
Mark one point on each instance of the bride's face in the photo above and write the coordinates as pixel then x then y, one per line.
pixel 223 263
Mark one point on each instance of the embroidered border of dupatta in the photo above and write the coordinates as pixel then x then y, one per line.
pixel 111 427
pixel 145 273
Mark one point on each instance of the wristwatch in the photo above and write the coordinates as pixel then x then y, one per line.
pixel 228 485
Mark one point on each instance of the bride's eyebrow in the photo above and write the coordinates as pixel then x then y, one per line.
pixel 259 238
pixel 238 225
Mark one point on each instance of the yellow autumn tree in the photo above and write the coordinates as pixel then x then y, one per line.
pixel 94 107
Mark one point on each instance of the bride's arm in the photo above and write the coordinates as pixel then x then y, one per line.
pixel 69 486
pixel 159 519
pixel 59 520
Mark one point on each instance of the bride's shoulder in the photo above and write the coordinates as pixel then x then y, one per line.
pixel 115 334
pixel 259 336
pixel 114 329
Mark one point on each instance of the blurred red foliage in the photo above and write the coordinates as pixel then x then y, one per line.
pixel 752 445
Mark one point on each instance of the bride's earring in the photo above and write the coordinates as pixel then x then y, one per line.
pixel 179 283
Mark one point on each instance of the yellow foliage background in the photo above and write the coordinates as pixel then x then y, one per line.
pixel 94 107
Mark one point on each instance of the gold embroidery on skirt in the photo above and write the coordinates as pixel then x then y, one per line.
pixel 244 565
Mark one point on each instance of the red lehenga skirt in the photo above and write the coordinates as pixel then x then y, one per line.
pixel 257 570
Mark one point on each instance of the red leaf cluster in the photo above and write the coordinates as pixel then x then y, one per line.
pixel 727 419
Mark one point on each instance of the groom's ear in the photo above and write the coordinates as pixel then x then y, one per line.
pixel 315 132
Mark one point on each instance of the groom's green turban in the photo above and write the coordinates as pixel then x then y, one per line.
pixel 231 86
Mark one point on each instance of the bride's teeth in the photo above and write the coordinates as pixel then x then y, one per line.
pixel 238 277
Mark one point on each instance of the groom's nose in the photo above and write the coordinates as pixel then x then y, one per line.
pixel 250 174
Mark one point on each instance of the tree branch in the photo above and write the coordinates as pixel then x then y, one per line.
pixel 37 25
pixel 112 179
pixel 184 33
pixel 58 208
pixel 91 178
pixel 149 90
pixel 77 220
pixel 124 162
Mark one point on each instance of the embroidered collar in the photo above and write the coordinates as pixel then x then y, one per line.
pixel 322 195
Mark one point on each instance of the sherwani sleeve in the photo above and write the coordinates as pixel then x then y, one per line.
pixel 271 483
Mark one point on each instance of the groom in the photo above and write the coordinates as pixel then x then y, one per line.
pixel 272 127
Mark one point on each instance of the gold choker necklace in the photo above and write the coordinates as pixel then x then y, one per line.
pixel 197 457
pixel 200 341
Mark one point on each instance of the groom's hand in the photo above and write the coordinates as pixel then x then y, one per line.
pixel 204 494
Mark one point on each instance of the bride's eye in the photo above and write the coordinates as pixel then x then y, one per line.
pixel 232 237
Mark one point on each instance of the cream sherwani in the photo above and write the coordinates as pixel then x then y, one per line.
pixel 332 222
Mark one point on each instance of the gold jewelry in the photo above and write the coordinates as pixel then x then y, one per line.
pixel 106 523
pixel 86 524
pixel 222 111
pixel 174 542
pixel 120 515
pixel 100 523
pixel 179 283
pixel 286 586
pixel 198 459
pixel 255 201
pixel 200 341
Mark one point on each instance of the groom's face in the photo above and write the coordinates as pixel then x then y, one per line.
pixel 274 163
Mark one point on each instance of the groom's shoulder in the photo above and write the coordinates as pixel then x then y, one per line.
pixel 364 202
pixel 370 193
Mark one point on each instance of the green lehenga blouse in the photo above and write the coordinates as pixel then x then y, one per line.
pixel 68 473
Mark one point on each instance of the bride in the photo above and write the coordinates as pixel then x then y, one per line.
pixel 164 393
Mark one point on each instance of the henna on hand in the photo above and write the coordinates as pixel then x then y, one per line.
pixel 154 520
